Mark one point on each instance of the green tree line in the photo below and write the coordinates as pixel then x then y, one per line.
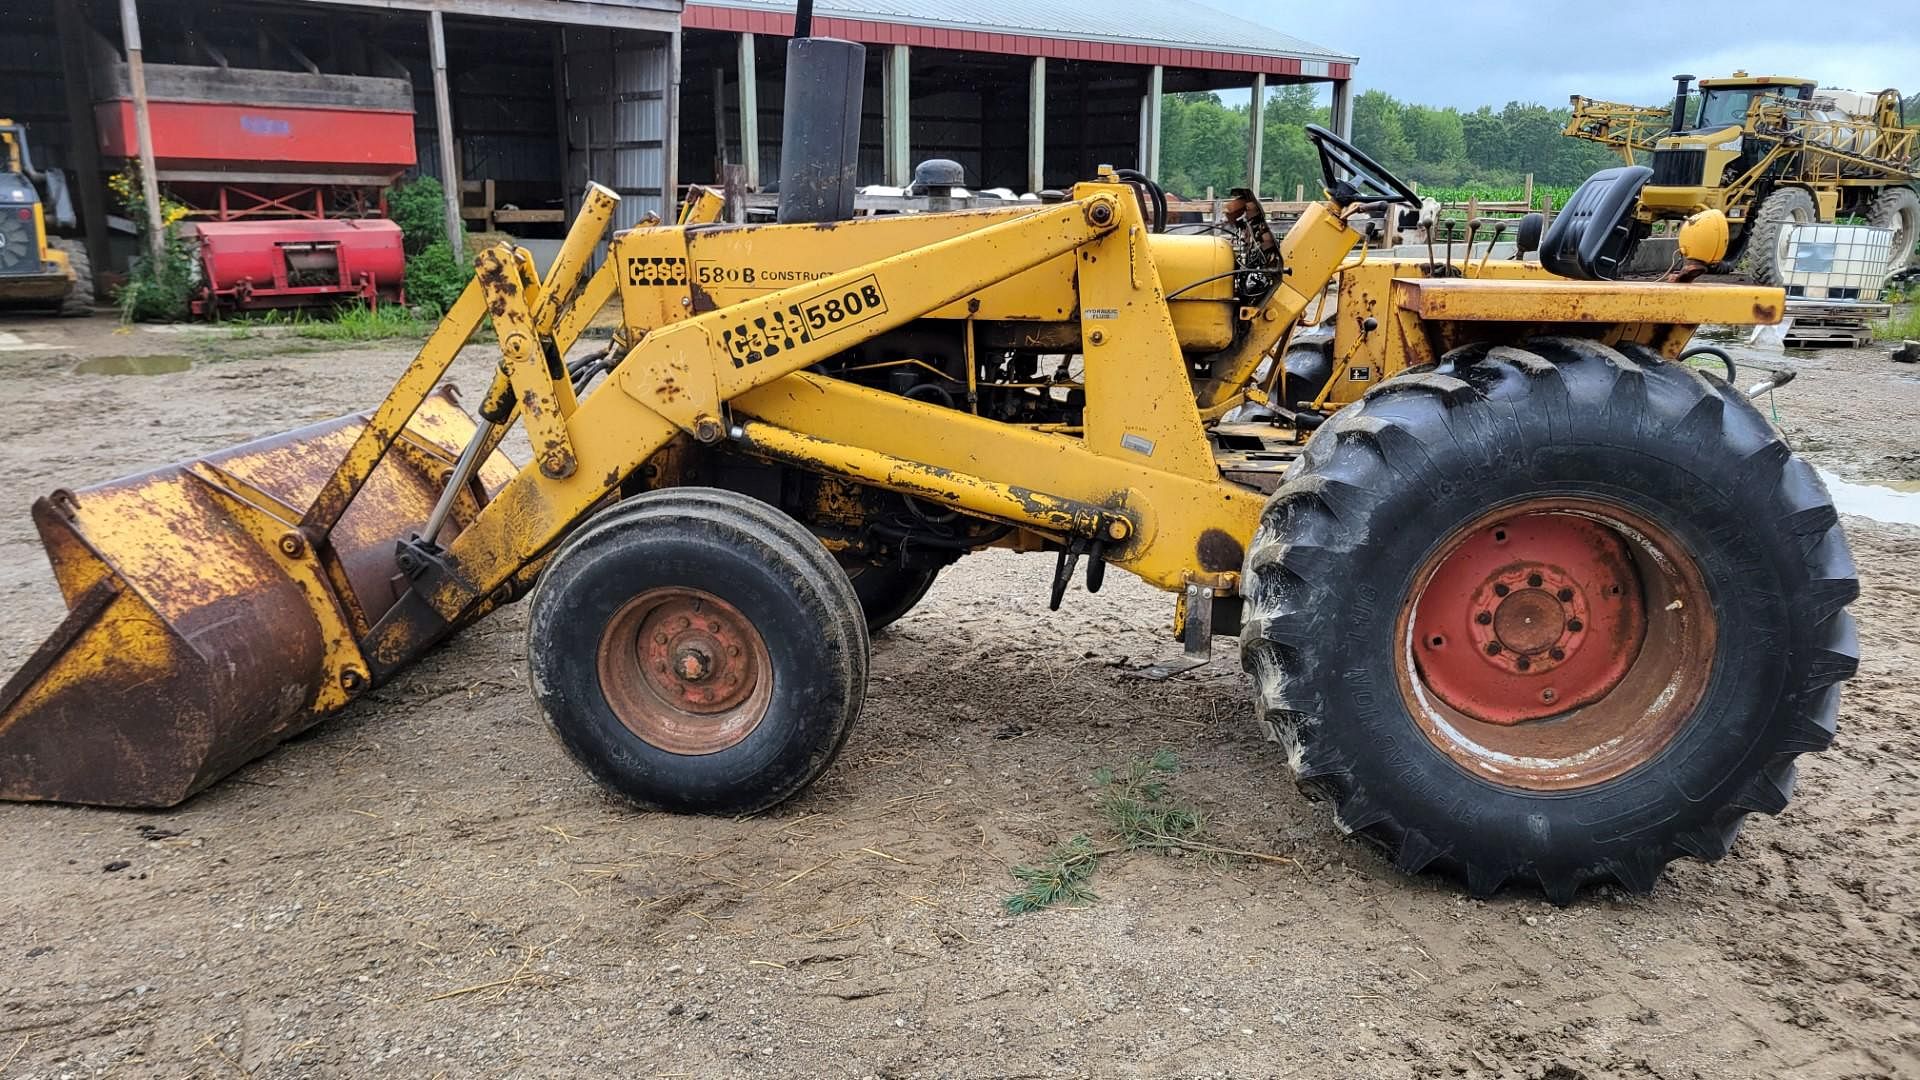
pixel 1204 143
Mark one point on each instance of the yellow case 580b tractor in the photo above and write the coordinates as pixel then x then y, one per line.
pixel 1527 598
pixel 34 267
pixel 1769 151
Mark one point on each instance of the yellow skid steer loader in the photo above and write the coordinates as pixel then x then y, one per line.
pixel 1525 596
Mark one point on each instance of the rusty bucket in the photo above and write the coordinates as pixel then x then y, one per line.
pixel 203 628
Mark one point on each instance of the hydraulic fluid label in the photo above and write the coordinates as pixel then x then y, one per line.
pixel 764 337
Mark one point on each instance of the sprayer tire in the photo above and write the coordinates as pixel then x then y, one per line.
pixel 740 587
pixel 1898 208
pixel 1784 206
pixel 1428 467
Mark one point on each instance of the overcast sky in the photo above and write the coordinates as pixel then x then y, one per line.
pixel 1487 52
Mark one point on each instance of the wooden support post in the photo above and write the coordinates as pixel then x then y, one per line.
pixel 1342 109
pixel 670 102
pixel 1526 196
pixel 569 198
pixel 1037 125
pixel 85 143
pixel 142 126
pixel 749 113
pixel 1256 132
pixel 896 96
pixel 1150 126
pixel 443 113
pixel 720 158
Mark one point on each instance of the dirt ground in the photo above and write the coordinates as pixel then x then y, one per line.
pixel 426 886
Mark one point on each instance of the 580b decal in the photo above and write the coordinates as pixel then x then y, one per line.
pixel 765 336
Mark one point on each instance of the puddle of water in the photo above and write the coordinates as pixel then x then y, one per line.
pixel 133 365
pixel 1893 501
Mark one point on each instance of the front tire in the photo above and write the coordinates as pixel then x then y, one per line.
pixel 1559 613
pixel 697 651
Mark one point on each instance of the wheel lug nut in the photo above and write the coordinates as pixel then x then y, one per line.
pixel 733 650
pixel 1501 590
pixel 659 639
pixel 1557 654
pixel 1575 625
pixel 1523 663
pixel 1548 695
pixel 1484 618
pixel 1566 595
pixel 1493 648
pixel 1534 580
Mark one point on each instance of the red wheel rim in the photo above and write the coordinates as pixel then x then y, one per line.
pixel 1555 643
pixel 685 670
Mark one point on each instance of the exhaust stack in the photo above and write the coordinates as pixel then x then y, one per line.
pixel 820 131
pixel 1681 84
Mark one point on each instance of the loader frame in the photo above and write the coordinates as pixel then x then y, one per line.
pixel 1139 487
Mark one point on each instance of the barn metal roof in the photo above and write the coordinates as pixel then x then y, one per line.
pixel 1176 32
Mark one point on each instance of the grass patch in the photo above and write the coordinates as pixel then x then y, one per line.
pixel 360 323
pixel 1905 325
pixel 1141 812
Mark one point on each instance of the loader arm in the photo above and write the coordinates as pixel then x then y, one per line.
pixel 677 380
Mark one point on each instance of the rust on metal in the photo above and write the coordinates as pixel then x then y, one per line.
pixel 190 647
pixel 1555 644
pixel 1219 551
pixel 685 671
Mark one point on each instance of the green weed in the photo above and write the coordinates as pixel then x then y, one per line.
pixel 361 323
pixel 1141 812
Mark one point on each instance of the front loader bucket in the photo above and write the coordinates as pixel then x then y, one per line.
pixel 191 645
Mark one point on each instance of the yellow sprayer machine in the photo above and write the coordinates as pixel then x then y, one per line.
pixel 1524 596
pixel 1768 151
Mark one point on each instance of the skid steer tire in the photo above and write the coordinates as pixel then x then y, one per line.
pixel 1785 206
pixel 697 651
pixel 78 303
pixel 1551 445
pixel 887 593
pixel 1898 208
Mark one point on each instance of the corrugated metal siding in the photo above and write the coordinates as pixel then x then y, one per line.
pixel 617 118
pixel 1162 22
pixel 35 94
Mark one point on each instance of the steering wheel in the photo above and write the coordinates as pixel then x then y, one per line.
pixel 1354 178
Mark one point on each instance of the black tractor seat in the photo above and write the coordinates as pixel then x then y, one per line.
pixel 1592 238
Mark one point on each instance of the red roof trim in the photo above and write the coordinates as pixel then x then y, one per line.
pixel 780 24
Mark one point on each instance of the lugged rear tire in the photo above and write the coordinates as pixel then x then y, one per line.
pixel 1566 435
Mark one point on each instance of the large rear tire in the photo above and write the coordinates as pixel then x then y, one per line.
pixel 1785 206
pixel 696 650
pixel 1898 208
pixel 1558 613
